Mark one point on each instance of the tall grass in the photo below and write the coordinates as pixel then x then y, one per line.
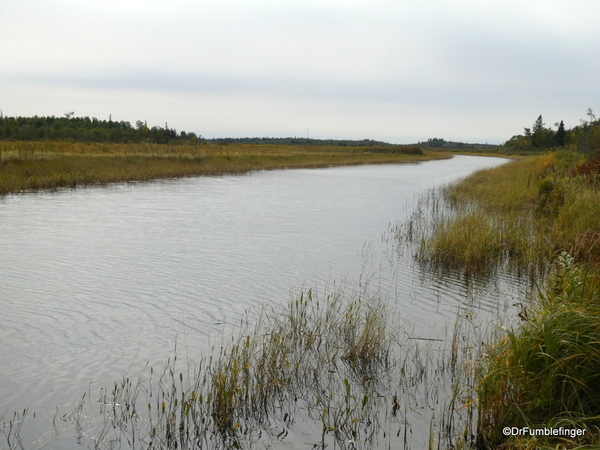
pixel 545 373
pixel 308 356
pixel 520 216
pixel 31 166
pixel 538 217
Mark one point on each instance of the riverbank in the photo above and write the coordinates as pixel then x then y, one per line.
pixel 34 166
pixel 539 218
pixel 523 214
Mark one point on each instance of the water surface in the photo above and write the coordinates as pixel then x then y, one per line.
pixel 96 282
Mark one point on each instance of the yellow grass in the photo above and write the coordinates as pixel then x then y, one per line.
pixel 523 213
pixel 29 166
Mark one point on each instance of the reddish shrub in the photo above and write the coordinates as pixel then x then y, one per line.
pixel 590 167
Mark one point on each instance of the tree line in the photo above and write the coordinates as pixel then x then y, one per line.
pixel 441 143
pixel 301 141
pixel 584 137
pixel 88 129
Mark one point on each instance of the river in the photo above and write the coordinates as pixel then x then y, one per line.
pixel 96 282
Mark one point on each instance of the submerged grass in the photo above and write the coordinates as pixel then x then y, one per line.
pixel 32 166
pixel 305 359
pixel 327 371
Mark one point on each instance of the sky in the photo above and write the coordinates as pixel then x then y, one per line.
pixel 392 70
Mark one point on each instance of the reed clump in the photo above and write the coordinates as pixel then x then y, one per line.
pixel 327 371
pixel 318 360
pixel 305 358
pixel 545 373
pixel 473 234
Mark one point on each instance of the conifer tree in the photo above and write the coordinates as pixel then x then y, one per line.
pixel 537 131
pixel 559 138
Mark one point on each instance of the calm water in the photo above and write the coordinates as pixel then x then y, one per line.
pixel 96 282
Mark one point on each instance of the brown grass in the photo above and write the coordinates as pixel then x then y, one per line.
pixel 31 166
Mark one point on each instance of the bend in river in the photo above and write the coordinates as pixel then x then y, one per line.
pixel 96 282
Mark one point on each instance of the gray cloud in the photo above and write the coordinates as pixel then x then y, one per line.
pixel 500 62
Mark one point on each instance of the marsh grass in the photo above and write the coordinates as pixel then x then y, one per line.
pixel 517 217
pixel 322 358
pixel 32 166
pixel 328 371
pixel 536 217
pixel 545 372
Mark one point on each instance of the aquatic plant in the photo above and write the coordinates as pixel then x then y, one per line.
pixel 336 367
pixel 518 216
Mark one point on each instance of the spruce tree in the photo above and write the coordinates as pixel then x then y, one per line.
pixel 537 131
pixel 559 138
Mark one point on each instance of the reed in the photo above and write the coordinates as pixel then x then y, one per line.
pixel 12 429
pixel 545 372
pixel 519 216
pixel 308 355
pixel 334 370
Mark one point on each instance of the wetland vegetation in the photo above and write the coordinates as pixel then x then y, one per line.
pixel 537 217
pixel 29 166
pixel 329 370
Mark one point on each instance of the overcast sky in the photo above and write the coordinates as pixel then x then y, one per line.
pixel 399 71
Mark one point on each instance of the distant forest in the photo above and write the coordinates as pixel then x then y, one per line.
pixel 302 141
pixel 441 143
pixel 86 129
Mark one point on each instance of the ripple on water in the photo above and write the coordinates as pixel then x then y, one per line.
pixel 97 282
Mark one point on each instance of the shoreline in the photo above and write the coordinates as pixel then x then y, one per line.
pixel 27 167
pixel 538 218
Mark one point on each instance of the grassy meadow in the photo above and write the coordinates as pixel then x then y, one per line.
pixel 48 165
